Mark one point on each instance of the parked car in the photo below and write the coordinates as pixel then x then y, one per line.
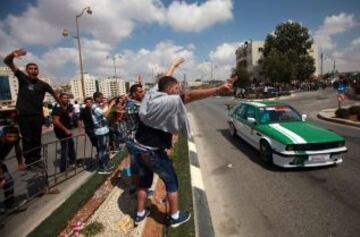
pixel 283 136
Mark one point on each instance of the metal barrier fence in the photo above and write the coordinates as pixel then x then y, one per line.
pixel 24 186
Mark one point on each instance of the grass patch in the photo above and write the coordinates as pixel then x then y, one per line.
pixel 57 221
pixel 93 229
pixel 182 167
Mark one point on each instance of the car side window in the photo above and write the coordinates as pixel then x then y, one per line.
pixel 250 112
pixel 239 112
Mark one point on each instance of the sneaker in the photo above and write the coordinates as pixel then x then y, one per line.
pixel 103 171
pixel 139 219
pixel 110 166
pixel 184 216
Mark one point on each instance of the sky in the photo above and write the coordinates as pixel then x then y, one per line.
pixel 144 36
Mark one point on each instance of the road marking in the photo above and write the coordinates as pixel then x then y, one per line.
pixel 196 178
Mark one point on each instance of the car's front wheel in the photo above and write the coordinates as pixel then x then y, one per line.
pixel 266 153
pixel 232 130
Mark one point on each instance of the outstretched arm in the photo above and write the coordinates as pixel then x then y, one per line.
pixel 170 71
pixel 9 59
pixel 199 94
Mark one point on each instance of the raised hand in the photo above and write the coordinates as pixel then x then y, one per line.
pixel 18 53
pixel 177 62
pixel 226 87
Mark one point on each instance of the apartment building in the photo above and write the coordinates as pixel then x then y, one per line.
pixel 249 53
pixel 111 87
pixel 90 85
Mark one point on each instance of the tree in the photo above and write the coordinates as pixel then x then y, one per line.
pixel 290 43
pixel 278 67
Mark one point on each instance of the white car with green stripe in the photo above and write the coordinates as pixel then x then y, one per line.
pixel 283 137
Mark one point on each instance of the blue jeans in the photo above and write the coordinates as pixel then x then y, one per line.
pixel 158 162
pixel 102 148
pixel 67 151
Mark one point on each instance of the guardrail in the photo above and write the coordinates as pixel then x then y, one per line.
pixel 23 186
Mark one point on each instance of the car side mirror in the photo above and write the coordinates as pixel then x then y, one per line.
pixel 251 120
pixel 304 117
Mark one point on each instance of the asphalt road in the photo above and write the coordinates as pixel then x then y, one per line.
pixel 247 198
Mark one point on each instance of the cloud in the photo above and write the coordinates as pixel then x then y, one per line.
pixel 195 18
pixel 333 25
pixel 349 58
pixel 222 60
pixel 112 21
pixel 224 53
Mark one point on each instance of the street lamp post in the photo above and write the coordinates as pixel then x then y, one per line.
pixel 114 57
pixel 77 37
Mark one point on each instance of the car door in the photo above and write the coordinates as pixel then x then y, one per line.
pixel 249 128
pixel 238 119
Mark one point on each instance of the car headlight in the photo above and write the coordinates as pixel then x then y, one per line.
pixel 289 147
pixel 341 143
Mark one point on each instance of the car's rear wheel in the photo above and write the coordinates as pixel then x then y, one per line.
pixel 232 130
pixel 266 153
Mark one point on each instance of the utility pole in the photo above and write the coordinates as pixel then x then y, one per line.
pixel 322 64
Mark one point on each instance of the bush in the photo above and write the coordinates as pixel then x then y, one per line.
pixel 354 110
pixel 284 93
pixel 342 113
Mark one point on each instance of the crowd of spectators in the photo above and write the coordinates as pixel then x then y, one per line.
pixel 145 123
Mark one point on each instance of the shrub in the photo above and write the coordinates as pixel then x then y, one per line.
pixel 284 93
pixel 342 113
pixel 354 110
pixel 93 229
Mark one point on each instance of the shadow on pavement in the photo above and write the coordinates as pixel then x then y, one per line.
pixel 253 155
pixel 127 200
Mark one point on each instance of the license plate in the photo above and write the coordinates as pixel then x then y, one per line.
pixel 322 157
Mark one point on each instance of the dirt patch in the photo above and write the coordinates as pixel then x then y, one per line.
pixel 88 209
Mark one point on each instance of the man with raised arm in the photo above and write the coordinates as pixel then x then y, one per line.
pixel 162 113
pixel 29 107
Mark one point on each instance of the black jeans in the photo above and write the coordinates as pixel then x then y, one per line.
pixel 31 129
pixel 8 187
pixel 68 155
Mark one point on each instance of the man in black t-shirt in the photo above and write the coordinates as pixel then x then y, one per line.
pixel 87 122
pixel 9 138
pixel 29 107
pixel 62 128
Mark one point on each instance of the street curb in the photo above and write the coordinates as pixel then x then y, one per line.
pixel 202 217
pixel 321 115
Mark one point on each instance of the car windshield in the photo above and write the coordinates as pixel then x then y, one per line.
pixel 277 114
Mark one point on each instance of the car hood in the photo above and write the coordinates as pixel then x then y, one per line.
pixel 298 133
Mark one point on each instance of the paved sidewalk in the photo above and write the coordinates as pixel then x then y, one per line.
pixel 116 212
pixel 329 115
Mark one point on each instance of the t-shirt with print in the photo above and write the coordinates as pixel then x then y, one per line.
pixel 31 94
pixel 100 123
pixel 65 119
pixel 131 117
